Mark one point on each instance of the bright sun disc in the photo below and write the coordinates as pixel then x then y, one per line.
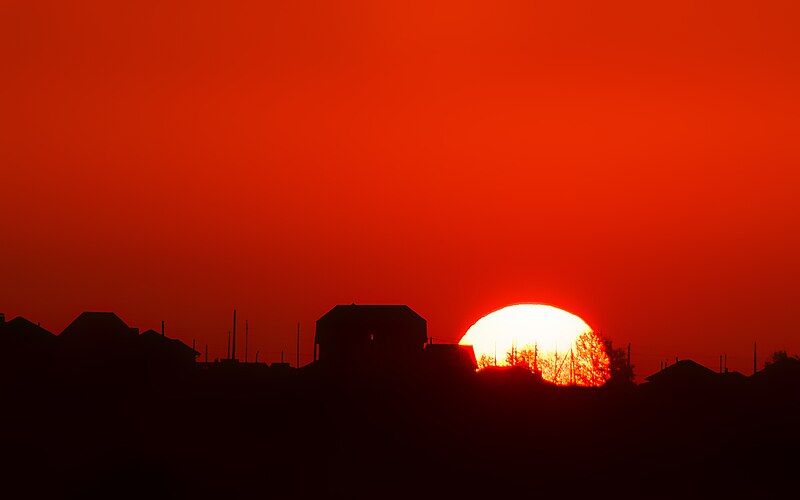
pixel 545 339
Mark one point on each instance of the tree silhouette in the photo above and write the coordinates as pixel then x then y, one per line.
pixel 585 363
pixel 485 360
pixel 621 370
pixel 779 357
pixel 592 364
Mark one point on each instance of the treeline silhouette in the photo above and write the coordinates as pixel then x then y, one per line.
pixel 103 411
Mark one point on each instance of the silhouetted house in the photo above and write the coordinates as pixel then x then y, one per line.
pixel 100 342
pixel 165 353
pixel 21 332
pixel 386 335
pixel 24 345
pixel 453 359
pixel 96 330
pixel 686 375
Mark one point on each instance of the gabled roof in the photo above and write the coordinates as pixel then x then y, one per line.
pixel 378 318
pixel 23 330
pixel 158 341
pixel 684 371
pixel 91 325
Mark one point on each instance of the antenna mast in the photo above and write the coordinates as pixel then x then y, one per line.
pixel 233 345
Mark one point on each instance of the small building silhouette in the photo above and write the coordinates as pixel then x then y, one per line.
pixel 22 332
pixel 347 335
pixel 684 374
pixel 98 329
pixel 452 359
pixel 165 352
pixel 25 345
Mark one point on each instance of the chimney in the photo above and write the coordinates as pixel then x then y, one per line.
pixel 233 344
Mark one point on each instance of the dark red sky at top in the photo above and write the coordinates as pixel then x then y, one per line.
pixel 635 163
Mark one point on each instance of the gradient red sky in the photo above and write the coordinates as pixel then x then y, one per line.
pixel 635 163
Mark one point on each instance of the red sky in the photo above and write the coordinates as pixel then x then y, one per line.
pixel 635 163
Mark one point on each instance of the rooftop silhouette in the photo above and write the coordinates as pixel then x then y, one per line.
pixel 114 413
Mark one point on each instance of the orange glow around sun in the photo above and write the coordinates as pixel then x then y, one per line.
pixel 545 339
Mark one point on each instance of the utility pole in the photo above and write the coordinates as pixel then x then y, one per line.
pixel 233 345
pixel 629 355
pixel 571 367
pixel 754 358
pixel 555 367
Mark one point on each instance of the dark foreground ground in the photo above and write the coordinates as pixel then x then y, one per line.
pixel 312 435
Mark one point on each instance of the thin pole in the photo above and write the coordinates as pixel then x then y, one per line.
pixel 571 367
pixel 233 345
pixel 555 367
pixel 162 327
pixel 629 355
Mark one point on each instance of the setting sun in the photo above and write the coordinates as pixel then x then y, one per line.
pixel 545 339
